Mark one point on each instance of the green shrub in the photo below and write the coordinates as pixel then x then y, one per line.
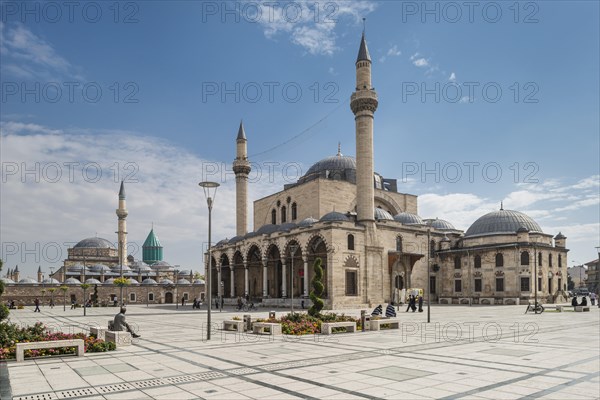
pixel 3 312
pixel 317 292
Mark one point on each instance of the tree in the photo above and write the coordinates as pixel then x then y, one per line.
pixel 3 309
pixel 95 296
pixel 121 283
pixel 64 289
pixel 198 275
pixel 318 288
pixel 52 290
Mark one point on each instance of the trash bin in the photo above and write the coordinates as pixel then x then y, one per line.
pixel 271 314
pixel 365 320
pixel 247 322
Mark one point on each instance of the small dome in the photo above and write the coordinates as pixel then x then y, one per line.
pixel 73 281
pixel 382 215
pixel 94 242
pixel 440 224
pixel 76 268
pixel 306 222
pixel 185 272
pixel 560 236
pixel 166 282
pixel 110 281
pixel 117 268
pixel 133 281
pixel 286 227
pixel 149 281
pixel 28 280
pixel 502 221
pixel 267 229
pixel 183 282
pixel 235 239
pixel 93 281
pixel 334 216
pixel 198 282
pixel 162 265
pixel 50 281
pixel 409 219
pixel 222 242
pixel 7 281
pixel 99 268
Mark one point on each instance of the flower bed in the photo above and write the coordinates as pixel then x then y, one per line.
pixel 11 334
pixel 304 324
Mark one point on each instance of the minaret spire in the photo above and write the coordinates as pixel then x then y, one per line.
pixel 241 168
pixel 122 226
pixel 363 104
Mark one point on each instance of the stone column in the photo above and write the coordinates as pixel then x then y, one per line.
pixel 246 285
pixel 219 278
pixel 283 281
pixel 232 282
pixel 264 278
pixel 305 260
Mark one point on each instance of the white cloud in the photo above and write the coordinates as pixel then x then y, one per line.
pixel 315 34
pixel 452 77
pixel 421 62
pixel 161 185
pixel 27 55
pixel 392 52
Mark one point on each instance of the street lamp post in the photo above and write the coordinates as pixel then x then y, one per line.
pixel 428 275
pixel 84 288
pixel 121 276
pixel 176 292
pixel 293 249
pixel 535 265
pixel 43 289
pixel 210 191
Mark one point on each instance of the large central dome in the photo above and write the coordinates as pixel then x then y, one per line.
pixel 94 242
pixel 338 167
pixel 502 221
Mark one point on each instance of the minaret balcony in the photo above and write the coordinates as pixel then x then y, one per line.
pixel 364 100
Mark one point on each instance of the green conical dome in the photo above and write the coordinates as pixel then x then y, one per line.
pixel 152 251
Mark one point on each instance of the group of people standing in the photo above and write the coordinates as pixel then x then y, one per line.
pixel 413 300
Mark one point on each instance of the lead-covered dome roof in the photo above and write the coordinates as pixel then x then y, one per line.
pixel 502 221
pixel 440 224
pixel 338 167
pixel 406 218
pixel 94 242
pixel 382 215
pixel 334 216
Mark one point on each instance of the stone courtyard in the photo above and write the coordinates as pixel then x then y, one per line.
pixel 477 352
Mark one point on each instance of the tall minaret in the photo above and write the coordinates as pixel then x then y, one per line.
pixel 363 104
pixel 122 232
pixel 241 168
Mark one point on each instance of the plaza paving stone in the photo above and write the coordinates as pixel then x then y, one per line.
pixel 493 352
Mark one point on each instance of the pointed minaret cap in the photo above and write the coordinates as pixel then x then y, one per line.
pixel 241 134
pixel 40 269
pixel 501 205
pixel 16 269
pixel 363 52
pixel 122 191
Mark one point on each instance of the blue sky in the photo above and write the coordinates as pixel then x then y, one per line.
pixel 166 126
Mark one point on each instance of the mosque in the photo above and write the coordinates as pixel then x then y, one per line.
pixel 373 244
pixel 97 262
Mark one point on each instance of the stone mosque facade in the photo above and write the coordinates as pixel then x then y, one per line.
pixel 97 262
pixel 373 244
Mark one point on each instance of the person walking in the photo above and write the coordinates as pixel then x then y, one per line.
pixel 593 298
pixel 420 303
pixel 410 302
pixel 182 301
pixel 37 305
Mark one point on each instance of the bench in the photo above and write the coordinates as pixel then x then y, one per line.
pixel 120 338
pixel 270 328
pixel 557 308
pixel 21 347
pixel 582 308
pixel 327 327
pixel 98 332
pixel 376 323
pixel 233 325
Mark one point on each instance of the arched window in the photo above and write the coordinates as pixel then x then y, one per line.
pixel 294 211
pixel 477 261
pixel 524 258
pixel 539 259
pixel 457 262
pixel 350 242
pixel 399 243
pixel 273 217
pixel 432 248
pixel 499 260
pixel 549 260
pixel 283 215
pixel 560 261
